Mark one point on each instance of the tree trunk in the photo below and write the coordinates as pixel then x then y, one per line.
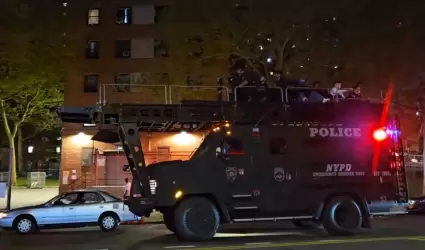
pixel 13 163
pixel 20 152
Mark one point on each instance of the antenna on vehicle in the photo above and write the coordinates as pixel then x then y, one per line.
pixel 262 117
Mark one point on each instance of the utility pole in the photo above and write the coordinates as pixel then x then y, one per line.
pixel 421 114
pixel 10 181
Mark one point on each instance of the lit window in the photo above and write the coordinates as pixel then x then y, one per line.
pixel 93 16
pixel 124 16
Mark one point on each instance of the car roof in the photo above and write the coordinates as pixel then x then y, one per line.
pixel 85 190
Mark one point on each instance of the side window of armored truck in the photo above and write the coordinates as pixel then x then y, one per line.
pixel 234 146
pixel 277 146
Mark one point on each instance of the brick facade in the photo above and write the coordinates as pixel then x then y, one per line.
pixel 156 146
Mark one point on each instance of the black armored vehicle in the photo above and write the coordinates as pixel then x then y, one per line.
pixel 327 163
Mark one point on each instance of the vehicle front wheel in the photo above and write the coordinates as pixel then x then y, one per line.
pixel 108 222
pixel 342 216
pixel 25 225
pixel 196 219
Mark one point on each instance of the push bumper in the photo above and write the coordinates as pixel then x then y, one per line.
pixel 142 207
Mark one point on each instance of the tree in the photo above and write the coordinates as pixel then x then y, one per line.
pixel 35 124
pixel 299 39
pixel 31 65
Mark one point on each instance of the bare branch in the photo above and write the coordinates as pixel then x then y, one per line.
pixel 28 111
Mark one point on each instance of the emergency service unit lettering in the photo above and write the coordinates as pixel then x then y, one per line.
pixel 335 132
pixel 338 170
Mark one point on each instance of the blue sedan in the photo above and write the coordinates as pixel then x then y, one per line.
pixel 69 210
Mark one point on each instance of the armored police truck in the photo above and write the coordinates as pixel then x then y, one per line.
pixel 303 162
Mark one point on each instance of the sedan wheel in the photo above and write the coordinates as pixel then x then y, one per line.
pixel 25 225
pixel 108 222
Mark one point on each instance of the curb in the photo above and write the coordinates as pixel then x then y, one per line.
pixel 137 222
pixel 25 187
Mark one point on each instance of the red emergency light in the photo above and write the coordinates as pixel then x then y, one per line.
pixel 380 134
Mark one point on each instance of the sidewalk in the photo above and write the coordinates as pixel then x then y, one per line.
pixel 27 197
pixel 156 217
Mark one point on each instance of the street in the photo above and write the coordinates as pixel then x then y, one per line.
pixel 389 233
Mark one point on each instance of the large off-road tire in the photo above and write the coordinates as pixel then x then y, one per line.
pixel 342 216
pixel 196 219
pixel 25 224
pixel 169 220
pixel 108 222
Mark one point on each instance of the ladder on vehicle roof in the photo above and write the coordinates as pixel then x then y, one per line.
pixel 219 111
pixel 398 162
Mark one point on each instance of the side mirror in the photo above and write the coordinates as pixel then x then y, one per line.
pixel 221 152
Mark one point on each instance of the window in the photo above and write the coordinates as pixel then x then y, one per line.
pixel 86 156
pixel 277 146
pixel 67 199
pixel 143 14
pixel 92 50
pixel 93 16
pixel 123 48
pixel 235 145
pixel 142 48
pixel 91 83
pixel 90 198
pixel 122 83
pixel 161 49
pixel 124 15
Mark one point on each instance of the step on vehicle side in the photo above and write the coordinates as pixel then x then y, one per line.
pixel 309 163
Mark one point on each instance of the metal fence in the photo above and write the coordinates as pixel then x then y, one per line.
pixel 36 179
pixel 177 93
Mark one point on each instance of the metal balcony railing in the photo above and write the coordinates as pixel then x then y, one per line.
pixel 173 94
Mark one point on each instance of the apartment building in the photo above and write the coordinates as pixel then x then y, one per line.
pixel 116 55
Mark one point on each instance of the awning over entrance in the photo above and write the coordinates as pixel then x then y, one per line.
pixel 107 136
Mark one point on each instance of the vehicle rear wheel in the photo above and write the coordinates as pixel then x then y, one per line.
pixel 196 219
pixel 342 216
pixel 108 222
pixel 25 225
pixel 169 221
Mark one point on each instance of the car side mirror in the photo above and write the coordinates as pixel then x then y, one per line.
pixel 221 152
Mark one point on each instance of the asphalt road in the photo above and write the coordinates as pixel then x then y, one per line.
pixel 388 233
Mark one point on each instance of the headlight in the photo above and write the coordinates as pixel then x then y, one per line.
pixel 3 215
pixel 412 202
pixel 153 185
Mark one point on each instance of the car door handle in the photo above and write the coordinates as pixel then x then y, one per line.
pixel 71 208
pixel 101 206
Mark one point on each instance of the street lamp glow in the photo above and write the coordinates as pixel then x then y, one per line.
pixel 30 149
pixel 81 139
